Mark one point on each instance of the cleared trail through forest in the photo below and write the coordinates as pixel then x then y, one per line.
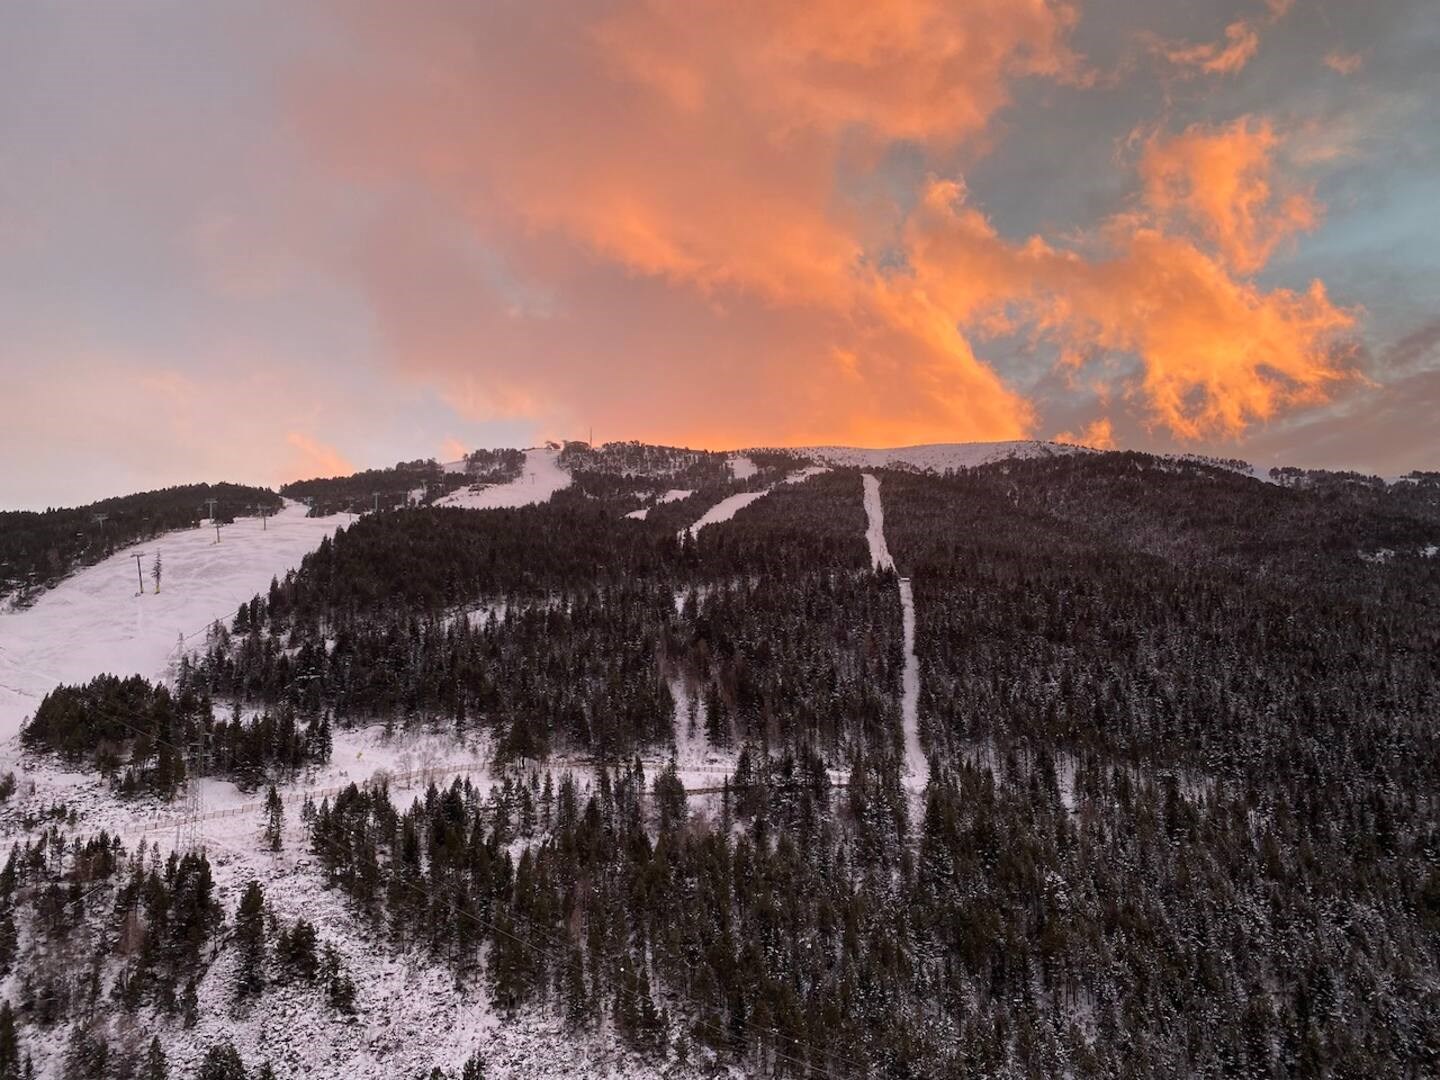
pixel 917 766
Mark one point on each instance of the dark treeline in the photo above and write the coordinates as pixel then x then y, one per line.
pixel 670 466
pixel 629 475
pixel 619 906
pixel 801 928
pixel 142 735
pixel 494 466
pixel 407 483
pixel 569 627
pixel 1226 640
pixel 37 549
pixel 1182 819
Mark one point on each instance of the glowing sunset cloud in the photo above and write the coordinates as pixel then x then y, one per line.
pixel 711 157
pixel 737 223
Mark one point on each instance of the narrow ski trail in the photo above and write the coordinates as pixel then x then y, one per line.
pixel 917 766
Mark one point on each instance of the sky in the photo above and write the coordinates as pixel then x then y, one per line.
pixel 258 241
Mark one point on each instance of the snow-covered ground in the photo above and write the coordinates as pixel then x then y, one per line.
pixel 875 525
pixel 741 467
pixel 725 509
pixel 410 1013
pixel 731 505
pixel 937 457
pixel 917 766
pixel 673 495
pixel 94 622
pixel 541 478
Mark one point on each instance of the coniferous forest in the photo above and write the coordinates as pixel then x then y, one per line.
pixel 1181 815
pixel 38 548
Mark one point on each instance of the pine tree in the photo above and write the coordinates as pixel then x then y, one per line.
pixel 274 819
pixel 189 1005
pixel 474 1068
pixel 155 570
pixel 157 1066
pixel 339 989
pixel 717 731
pixel 574 994
pixel 9 1044
pixel 250 940
pixel 9 940
pixel 87 1057
pixel 222 1062
pixel 670 798
pixel 296 950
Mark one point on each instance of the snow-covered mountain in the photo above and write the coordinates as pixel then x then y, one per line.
pixel 937 457
pixel 673 773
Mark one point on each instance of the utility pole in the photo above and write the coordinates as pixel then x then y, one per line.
pixel 139 573
pixel 187 825
pixel 377 501
pixel 214 520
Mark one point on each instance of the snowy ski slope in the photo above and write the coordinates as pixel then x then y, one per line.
pixel 94 622
pixel 731 505
pixel 541 478
pixel 917 766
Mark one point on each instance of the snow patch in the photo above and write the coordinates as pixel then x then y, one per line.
pixel 673 495
pixel 741 467
pixel 541 478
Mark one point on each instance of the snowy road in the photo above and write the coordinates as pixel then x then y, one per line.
pixel 917 766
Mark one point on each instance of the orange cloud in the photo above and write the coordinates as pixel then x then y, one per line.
pixel 1220 180
pixel 663 218
pixel 1098 434
pixel 918 70
pixel 1241 43
pixel 313 458
pixel 1217 352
